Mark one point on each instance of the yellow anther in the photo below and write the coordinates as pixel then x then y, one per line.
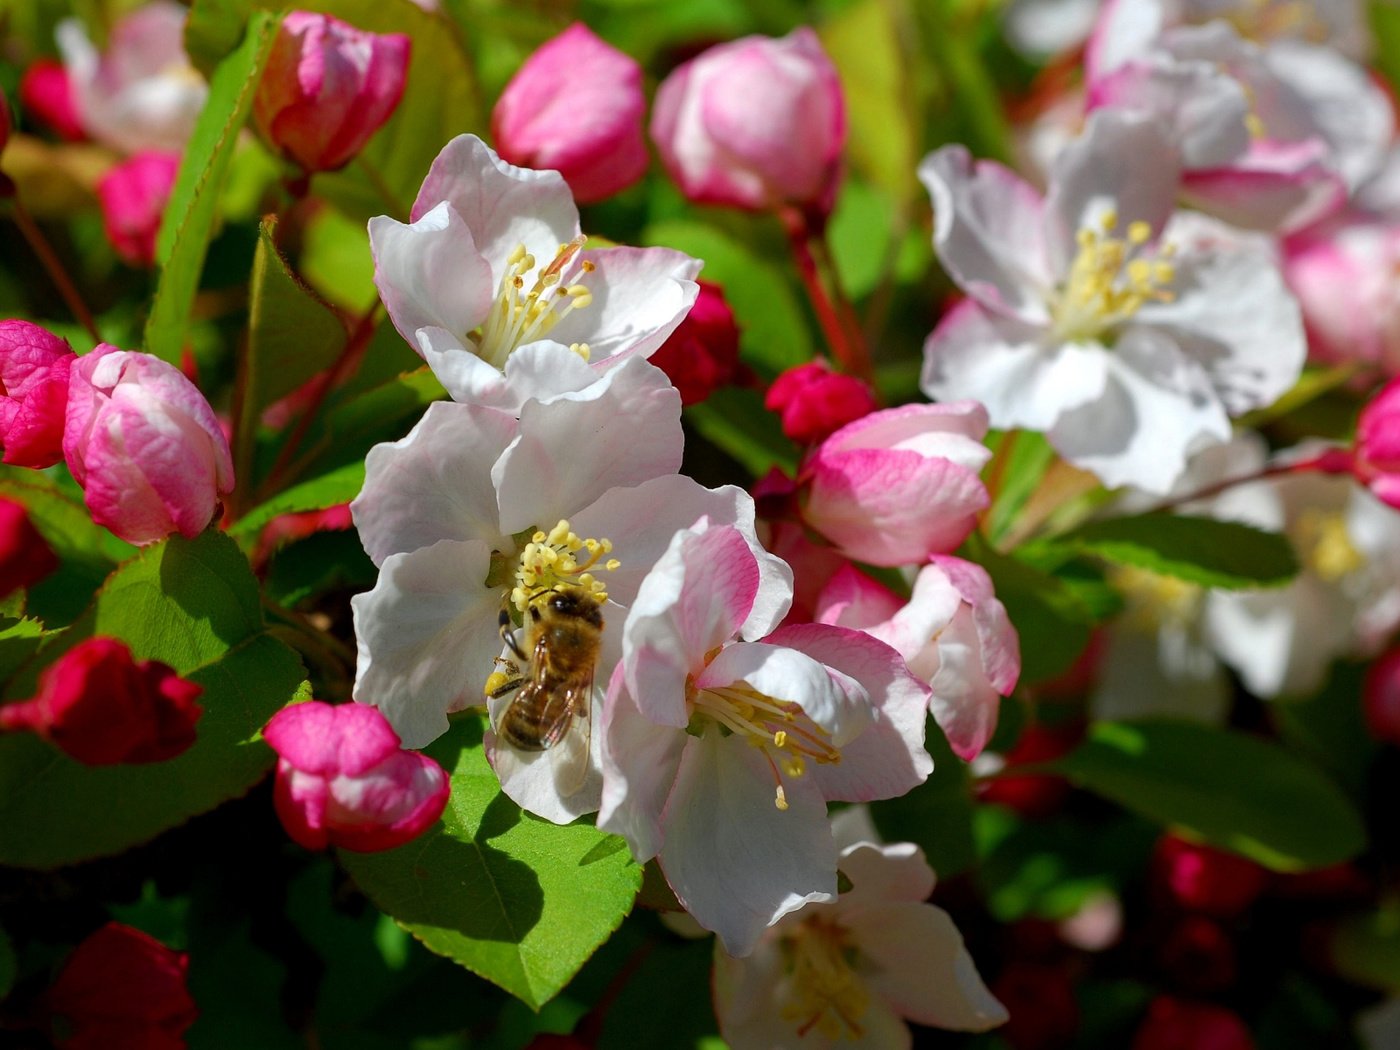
pixel 1139 232
pixel 528 307
pixel 780 800
pixel 780 738
pixel 1109 220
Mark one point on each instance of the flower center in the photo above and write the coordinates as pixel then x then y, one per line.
pixel 1266 20
pixel 1153 601
pixel 779 728
pixel 826 994
pixel 1325 545
pixel 1110 279
pixel 560 560
pixel 526 310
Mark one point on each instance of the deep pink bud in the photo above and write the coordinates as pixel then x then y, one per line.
pixel 1380 698
pixel 702 354
pixel 1378 444
pixel 328 88
pixel 25 556
pixel 119 990
pixel 576 107
pixel 145 445
pixel 102 707
pixel 343 780
pixel 754 123
pixel 815 402
pixel 1175 1024
pixel 45 92
pixel 133 195
pixel 1202 878
pixel 34 366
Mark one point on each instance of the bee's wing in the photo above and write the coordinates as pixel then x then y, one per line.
pixel 573 757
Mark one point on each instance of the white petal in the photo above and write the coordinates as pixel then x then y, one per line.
pixel 640 761
pixel 835 702
pixel 886 873
pixel 553 783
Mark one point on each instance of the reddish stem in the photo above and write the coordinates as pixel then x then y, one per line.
pixel 49 259
pixel 1332 461
pixel 850 355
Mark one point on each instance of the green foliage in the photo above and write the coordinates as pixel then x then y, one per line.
pixel 194 202
pixel 1024 457
pixel 194 605
pixel 334 487
pixel 1366 948
pixel 735 421
pixel 936 815
pixel 1229 789
pixel 514 899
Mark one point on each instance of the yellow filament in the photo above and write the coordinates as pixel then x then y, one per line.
pixel 560 558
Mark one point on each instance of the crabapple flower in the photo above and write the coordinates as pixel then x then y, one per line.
pixel 1128 339
pixel 1377 456
pixel 46 93
pixel 492 285
pixel 133 195
pixel 702 354
pixel 141 93
pixel 145 445
pixel 898 485
pixel 755 123
pixel 720 754
pixel 450 515
pixel 328 87
pixel 576 107
pixel 34 366
pixel 856 968
pixel 814 401
pixel 102 707
pixel 953 633
pixel 343 780
pixel 121 988
pixel 25 556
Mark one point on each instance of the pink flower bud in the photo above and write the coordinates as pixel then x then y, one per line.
pixel 576 107
pixel 1378 444
pixel 1173 1024
pixel 702 354
pixel 754 124
pixel 343 780
pixel 46 93
pixel 121 988
pixel 815 402
pixel 1201 878
pixel 133 195
pixel 25 556
pixel 145 446
pixel 103 708
pixel 34 366
pixel 328 88
pixel 1380 698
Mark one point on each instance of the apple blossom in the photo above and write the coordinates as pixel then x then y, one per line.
pixel 854 969
pixel 720 754
pixel 953 634
pixel 702 354
pixel 145 445
pixel 141 93
pixel 34 365
pixel 102 707
pixel 492 285
pixel 754 123
pixel 814 401
pixel 133 195
pixel 327 88
pixel 576 107
pixel 450 515
pixel 46 93
pixel 121 988
pixel 1130 341
pixel 25 556
pixel 343 779
pixel 900 484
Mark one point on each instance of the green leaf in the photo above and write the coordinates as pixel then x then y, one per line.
pixel 190 215
pixel 773 330
pixel 292 336
pixel 515 899
pixel 384 413
pixel 55 811
pixel 1366 948
pixel 338 486
pixel 735 421
pixel 1229 789
pixel 1025 457
pixel 1203 551
pixel 19 641
pixel 936 815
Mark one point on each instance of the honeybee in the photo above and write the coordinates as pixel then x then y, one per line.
pixel 553 698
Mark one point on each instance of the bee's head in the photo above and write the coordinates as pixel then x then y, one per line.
pixel 572 603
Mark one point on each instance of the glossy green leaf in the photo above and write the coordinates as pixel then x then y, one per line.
pixel 1366 948
pixel 1232 790
pixel 190 215
pixel 1203 551
pixel 735 421
pixel 338 486
pixel 515 899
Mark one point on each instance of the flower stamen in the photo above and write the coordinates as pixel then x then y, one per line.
pixel 523 315
pixel 827 994
pixel 1111 278
pixel 560 559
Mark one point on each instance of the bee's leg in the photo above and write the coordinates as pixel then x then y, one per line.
pixel 500 683
pixel 508 635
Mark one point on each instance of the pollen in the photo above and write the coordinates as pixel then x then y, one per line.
pixel 1325 546
pixel 1111 278
pixel 560 559
pixel 532 300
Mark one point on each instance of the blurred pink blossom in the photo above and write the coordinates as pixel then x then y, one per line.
pixel 1378 444
pixel 575 106
pixel 814 401
pixel 25 556
pixel 343 780
pixel 34 367
pixel 46 93
pixel 328 88
pixel 133 195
